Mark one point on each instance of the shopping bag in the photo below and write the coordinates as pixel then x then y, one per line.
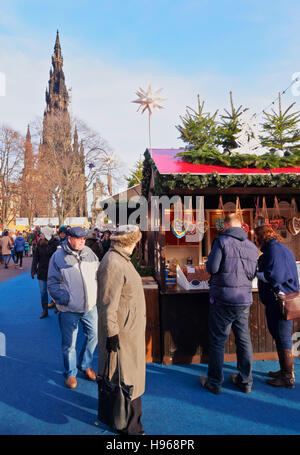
pixel 114 398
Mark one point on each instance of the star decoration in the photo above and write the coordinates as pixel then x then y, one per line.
pixel 148 99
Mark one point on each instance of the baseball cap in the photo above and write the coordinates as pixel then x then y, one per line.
pixel 77 232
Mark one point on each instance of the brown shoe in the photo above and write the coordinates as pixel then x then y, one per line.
pixel 51 304
pixel 71 382
pixel 90 374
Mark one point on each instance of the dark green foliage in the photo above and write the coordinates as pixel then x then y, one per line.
pixel 199 129
pixel 136 174
pixel 230 126
pixel 282 129
pixel 143 270
pixel 202 134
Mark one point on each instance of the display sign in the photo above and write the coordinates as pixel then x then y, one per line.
pixel 22 221
pixel 76 221
pixel 45 221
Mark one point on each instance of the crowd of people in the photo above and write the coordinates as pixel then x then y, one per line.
pixel 91 280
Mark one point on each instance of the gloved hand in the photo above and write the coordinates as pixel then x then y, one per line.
pixel 112 343
pixel 32 275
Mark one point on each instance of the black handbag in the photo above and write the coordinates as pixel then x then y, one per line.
pixel 289 305
pixel 114 398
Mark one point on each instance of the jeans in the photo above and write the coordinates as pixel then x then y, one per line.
pixel 221 319
pixel 12 255
pixel 280 329
pixel 68 323
pixel 6 258
pixel 43 291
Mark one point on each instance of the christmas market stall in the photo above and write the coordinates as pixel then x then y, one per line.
pixel 178 254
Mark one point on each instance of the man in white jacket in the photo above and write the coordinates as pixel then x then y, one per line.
pixel 72 284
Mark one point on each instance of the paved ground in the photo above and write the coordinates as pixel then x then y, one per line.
pixel 12 271
pixel 34 400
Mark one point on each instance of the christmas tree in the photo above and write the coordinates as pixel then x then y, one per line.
pixel 230 126
pixel 282 133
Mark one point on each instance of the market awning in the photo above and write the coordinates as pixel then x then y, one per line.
pixel 166 163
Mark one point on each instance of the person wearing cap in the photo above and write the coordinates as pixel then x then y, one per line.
pixel 62 233
pixel 72 284
pixel 122 318
pixel 40 265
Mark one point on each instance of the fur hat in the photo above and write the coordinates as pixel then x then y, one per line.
pixel 47 231
pixel 126 235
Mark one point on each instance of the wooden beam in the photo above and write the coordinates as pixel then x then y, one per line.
pixel 237 191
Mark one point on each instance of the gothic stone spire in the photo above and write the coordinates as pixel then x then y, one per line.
pixel 28 155
pixel 57 97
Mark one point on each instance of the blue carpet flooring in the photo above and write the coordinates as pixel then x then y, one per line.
pixel 34 400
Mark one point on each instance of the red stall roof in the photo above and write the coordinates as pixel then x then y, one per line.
pixel 166 163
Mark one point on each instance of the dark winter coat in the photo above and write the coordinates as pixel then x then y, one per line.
pixel 277 271
pixel 106 246
pixel 41 259
pixel 95 246
pixel 53 244
pixel 232 264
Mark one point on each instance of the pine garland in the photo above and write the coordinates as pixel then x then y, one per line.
pixel 239 161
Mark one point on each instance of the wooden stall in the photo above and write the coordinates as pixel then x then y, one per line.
pixel 184 311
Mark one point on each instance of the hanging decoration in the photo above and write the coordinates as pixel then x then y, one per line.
pixel 256 218
pixel 239 212
pixel 179 228
pixel 220 221
pixel 293 223
pixel 277 222
pixel 263 218
pixel 202 226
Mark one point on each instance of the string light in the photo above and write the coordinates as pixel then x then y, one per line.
pixel 273 102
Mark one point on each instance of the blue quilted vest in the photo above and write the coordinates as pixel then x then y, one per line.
pixel 232 284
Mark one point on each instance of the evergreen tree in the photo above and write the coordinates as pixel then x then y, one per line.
pixel 230 126
pixel 281 129
pixel 136 174
pixel 199 130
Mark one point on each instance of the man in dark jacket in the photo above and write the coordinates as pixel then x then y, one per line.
pixel 40 264
pixel 95 245
pixel 232 264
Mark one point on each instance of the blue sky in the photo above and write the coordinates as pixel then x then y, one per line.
pixel 111 48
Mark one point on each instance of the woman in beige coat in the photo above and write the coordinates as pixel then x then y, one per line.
pixel 6 244
pixel 122 318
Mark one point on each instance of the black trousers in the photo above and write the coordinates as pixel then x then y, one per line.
pixel 135 425
pixel 19 255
